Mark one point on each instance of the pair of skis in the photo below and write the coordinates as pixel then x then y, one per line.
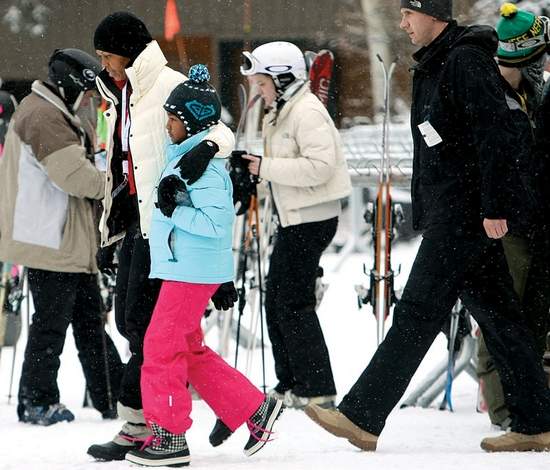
pixel 384 216
pixel 252 239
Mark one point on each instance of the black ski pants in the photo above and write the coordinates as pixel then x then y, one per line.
pixel 445 268
pixel 302 362
pixel 135 300
pixel 59 299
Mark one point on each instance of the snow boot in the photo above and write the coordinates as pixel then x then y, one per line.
pixel 339 425
pixel 295 401
pixel 44 415
pixel 109 413
pixel 261 423
pixel 274 393
pixel 162 449
pixel 132 436
pixel 516 442
pixel 219 434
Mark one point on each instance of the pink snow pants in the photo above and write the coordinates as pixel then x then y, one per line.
pixel 174 354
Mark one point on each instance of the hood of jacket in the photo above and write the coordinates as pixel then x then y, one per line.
pixel 453 36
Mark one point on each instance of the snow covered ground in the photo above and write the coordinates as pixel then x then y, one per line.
pixel 414 439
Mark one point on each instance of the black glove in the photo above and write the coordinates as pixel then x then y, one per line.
pixel 105 259
pixel 193 164
pixel 225 297
pixel 244 184
pixel 169 194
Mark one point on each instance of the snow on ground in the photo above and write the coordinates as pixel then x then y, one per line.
pixel 414 439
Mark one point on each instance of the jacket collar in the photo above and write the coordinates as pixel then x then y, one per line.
pixel 146 68
pixel 276 115
pixel 439 46
pixel 142 74
pixel 107 89
pixel 39 89
pixel 174 151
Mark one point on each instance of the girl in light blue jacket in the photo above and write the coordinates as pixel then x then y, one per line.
pixel 191 251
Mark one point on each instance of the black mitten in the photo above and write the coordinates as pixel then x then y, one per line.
pixel 193 164
pixel 225 297
pixel 169 194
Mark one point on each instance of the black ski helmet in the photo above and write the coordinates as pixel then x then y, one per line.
pixel 73 72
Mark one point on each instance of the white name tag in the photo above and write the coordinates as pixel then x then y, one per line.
pixel 125 167
pixel 431 137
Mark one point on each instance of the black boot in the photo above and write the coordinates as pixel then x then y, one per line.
pixel 219 434
pixel 44 415
pixel 261 423
pixel 132 436
pixel 162 449
pixel 109 413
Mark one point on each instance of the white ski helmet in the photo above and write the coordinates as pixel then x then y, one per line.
pixel 282 60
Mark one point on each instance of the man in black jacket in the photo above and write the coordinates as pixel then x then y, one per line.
pixel 465 142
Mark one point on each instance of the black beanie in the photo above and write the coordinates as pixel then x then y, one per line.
pixel 195 102
pixel 122 33
pixel 440 9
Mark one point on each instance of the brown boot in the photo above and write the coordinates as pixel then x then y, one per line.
pixel 516 442
pixel 336 423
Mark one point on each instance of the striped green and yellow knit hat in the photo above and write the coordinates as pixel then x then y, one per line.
pixel 523 36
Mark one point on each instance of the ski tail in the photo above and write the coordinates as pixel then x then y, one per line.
pixel 309 57
pixel 320 74
pixel 243 102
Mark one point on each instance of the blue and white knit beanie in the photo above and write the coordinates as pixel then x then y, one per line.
pixel 195 102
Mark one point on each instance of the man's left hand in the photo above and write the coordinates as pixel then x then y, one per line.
pixel 495 228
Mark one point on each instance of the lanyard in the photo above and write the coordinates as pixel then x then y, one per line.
pixel 124 120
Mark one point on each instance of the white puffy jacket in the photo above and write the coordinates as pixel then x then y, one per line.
pixel 303 158
pixel 151 81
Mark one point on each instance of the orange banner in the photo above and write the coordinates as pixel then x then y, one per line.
pixel 172 25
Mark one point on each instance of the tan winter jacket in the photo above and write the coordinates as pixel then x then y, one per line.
pixel 303 157
pixel 46 187
pixel 151 81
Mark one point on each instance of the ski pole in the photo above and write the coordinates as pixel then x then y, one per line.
pixel 12 372
pixel 107 304
pixel 242 290
pixel 453 331
pixel 256 234
pixel 106 365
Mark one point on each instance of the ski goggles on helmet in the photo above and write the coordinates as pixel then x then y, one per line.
pixel 249 63
pixel 536 41
pixel 252 65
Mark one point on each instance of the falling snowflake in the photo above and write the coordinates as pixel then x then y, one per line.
pixel 29 16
